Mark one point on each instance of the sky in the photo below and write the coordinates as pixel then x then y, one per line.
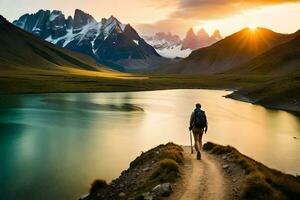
pixel 176 16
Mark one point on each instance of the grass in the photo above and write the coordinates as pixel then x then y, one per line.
pixel 168 160
pixel 272 92
pixel 97 185
pixel 169 151
pixel 261 182
pixel 166 171
pixel 279 93
pixel 29 80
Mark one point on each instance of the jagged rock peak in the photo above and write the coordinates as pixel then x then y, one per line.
pixel 202 33
pixel 3 18
pixel 81 19
pixel 190 32
pixel 217 34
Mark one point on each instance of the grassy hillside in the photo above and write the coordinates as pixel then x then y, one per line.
pixel 158 165
pixel 20 50
pixel 232 51
pixel 280 60
pixel 260 181
pixel 280 93
pixel 37 81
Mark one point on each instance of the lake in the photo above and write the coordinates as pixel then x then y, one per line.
pixel 53 146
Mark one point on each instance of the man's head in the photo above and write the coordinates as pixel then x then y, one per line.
pixel 198 105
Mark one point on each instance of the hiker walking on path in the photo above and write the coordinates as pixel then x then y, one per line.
pixel 198 125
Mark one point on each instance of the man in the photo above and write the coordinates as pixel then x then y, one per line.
pixel 198 124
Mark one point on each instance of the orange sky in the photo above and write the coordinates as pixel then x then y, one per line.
pixel 149 16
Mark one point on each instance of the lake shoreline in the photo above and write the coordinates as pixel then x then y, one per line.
pixel 284 106
pixel 54 82
pixel 234 95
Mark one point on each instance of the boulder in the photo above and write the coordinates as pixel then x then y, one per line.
pixel 122 194
pixel 147 196
pixel 163 189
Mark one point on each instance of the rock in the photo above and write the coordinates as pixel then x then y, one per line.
pixel 295 137
pixel 224 157
pixel 146 169
pixel 147 196
pixel 163 189
pixel 84 196
pixel 225 166
pixel 123 172
pixel 122 194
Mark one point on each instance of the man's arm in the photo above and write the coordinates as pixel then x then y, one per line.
pixel 206 125
pixel 192 121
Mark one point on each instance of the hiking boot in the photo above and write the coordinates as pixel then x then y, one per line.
pixel 198 155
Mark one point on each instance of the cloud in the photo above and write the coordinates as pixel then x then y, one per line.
pixel 183 14
pixel 214 9
pixel 178 26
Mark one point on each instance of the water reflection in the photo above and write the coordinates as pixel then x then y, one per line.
pixel 53 146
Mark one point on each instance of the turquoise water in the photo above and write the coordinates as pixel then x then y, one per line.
pixel 53 146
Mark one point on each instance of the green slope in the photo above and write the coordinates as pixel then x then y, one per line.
pixel 20 50
pixel 280 60
pixel 282 91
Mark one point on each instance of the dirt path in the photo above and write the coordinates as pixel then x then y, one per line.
pixel 200 179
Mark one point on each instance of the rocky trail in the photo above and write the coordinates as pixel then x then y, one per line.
pixel 201 179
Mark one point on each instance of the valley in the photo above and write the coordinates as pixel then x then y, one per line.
pixel 30 65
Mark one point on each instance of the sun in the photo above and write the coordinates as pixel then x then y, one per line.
pixel 252 27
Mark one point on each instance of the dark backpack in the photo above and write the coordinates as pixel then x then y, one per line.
pixel 199 119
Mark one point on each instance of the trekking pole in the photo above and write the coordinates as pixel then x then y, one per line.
pixel 192 151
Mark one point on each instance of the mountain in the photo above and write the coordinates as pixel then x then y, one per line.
pixel 230 52
pixel 201 39
pixel 281 91
pixel 24 51
pixel 167 45
pixel 280 60
pixel 109 41
pixel 216 36
pixel 190 40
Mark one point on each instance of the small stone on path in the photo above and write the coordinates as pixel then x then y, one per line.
pixel 225 166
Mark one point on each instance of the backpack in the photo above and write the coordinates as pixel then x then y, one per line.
pixel 199 119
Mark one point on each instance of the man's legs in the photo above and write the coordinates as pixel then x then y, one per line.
pixel 200 139
pixel 196 141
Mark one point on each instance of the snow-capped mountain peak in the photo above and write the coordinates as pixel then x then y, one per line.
pixel 167 45
pixel 108 41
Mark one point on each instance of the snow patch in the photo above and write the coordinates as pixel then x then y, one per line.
pixel 136 41
pixel 36 29
pixel 36 23
pixel 22 24
pixel 53 16
pixel 122 26
pixel 174 52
